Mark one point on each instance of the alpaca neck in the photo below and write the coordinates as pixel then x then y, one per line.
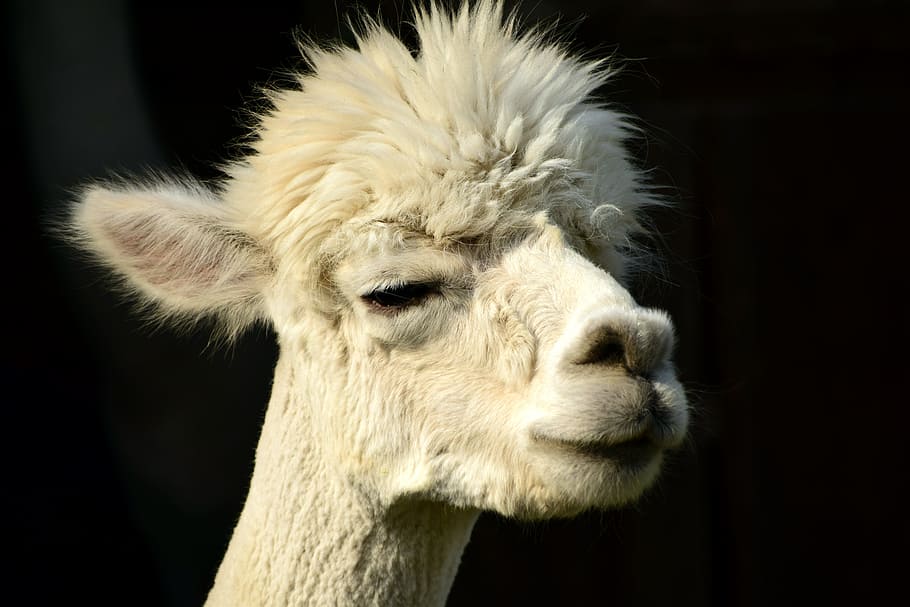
pixel 307 537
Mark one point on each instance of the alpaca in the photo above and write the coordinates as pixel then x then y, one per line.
pixel 440 241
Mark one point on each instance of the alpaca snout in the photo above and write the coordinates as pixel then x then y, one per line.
pixel 614 382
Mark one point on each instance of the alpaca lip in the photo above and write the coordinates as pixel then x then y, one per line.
pixel 635 451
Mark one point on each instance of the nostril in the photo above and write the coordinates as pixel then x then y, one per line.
pixel 638 341
pixel 607 348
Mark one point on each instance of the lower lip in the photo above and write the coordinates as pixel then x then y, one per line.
pixel 632 453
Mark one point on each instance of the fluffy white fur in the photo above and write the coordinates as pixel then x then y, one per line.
pixel 522 378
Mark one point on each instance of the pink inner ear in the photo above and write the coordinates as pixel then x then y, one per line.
pixel 185 259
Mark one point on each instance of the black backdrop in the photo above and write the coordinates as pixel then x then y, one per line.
pixel 780 127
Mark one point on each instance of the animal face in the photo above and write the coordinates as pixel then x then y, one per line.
pixel 509 373
pixel 438 239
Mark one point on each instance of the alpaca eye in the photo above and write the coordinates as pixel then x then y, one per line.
pixel 400 296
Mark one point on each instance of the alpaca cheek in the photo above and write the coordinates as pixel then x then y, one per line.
pixel 513 349
pixel 374 420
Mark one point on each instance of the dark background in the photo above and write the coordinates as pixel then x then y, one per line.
pixel 780 130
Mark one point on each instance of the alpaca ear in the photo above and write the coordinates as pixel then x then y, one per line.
pixel 176 248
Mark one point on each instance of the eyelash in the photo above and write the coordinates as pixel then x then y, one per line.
pixel 398 297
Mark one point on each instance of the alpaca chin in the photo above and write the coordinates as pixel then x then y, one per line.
pixel 586 477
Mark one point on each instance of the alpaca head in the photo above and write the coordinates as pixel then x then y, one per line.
pixel 439 241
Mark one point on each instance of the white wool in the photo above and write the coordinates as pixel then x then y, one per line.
pixel 438 241
pixel 478 124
